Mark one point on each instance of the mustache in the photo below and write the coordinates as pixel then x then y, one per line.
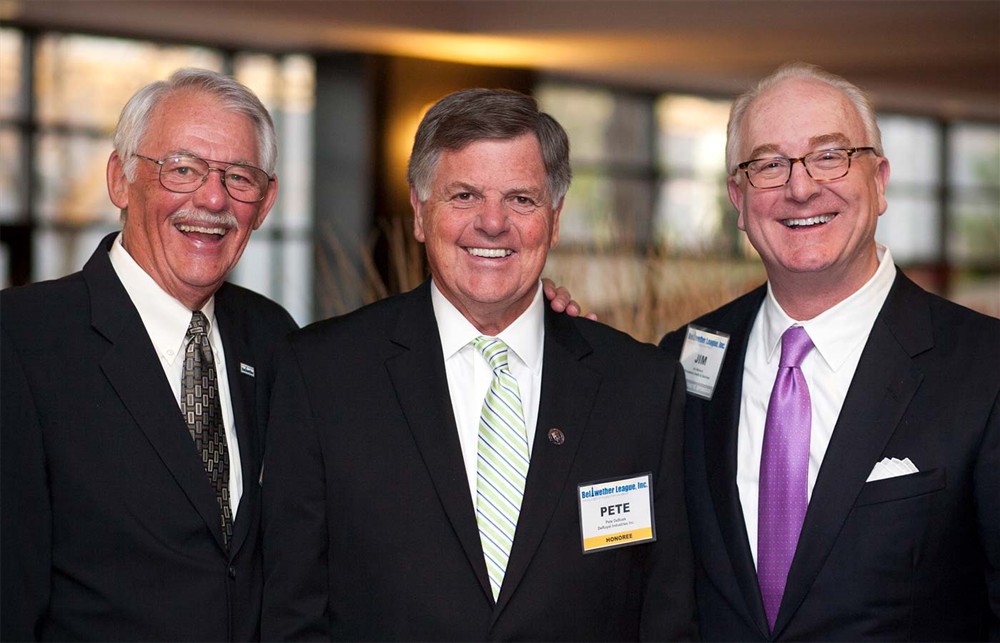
pixel 207 219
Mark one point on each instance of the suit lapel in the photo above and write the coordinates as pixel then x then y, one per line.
pixel 421 386
pixel 567 395
pixel 721 430
pixel 242 390
pixel 883 386
pixel 134 371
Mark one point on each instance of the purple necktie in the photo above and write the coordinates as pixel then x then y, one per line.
pixel 784 471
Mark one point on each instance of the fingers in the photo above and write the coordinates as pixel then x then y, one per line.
pixel 562 301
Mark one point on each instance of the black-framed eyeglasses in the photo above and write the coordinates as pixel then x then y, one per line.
pixel 186 173
pixel 822 165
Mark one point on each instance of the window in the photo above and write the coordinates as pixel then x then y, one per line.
pixel 649 172
pixel 611 200
pixel 973 224
pixel 648 237
pixel 77 96
pixel 278 260
pixel 13 179
pixel 693 212
pixel 54 206
pixel 910 226
pixel 974 194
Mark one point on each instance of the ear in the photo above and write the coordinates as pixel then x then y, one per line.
pixel 117 183
pixel 267 203
pixel 736 196
pixel 418 215
pixel 554 241
pixel 881 181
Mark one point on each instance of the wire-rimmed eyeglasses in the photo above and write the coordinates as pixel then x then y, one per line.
pixel 822 165
pixel 186 173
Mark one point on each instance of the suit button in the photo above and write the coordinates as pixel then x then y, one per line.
pixel 232 572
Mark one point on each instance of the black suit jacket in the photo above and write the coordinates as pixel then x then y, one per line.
pixel 110 527
pixel 908 558
pixel 369 527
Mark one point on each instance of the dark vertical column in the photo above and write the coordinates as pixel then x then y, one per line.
pixel 342 193
pixel 367 110
pixel 942 261
pixel 406 88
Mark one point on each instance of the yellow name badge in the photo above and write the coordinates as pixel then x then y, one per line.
pixel 616 513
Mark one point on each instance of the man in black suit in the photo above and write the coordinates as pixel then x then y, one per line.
pixel 414 490
pixel 876 515
pixel 130 504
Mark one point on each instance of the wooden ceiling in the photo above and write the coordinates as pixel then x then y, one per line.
pixel 920 56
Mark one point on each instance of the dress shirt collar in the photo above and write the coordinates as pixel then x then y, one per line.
pixel 839 330
pixel 525 336
pixel 166 319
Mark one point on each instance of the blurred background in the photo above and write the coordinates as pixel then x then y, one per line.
pixel 648 237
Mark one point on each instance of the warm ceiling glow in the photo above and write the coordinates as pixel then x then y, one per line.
pixel 400 137
pixel 9 9
pixel 460 48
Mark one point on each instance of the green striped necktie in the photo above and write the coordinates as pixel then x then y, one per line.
pixel 502 462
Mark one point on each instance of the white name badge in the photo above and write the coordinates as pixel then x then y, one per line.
pixel 616 513
pixel 701 358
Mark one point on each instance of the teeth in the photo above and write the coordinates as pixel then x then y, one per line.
pixel 494 253
pixel 792 223
pixel 193 228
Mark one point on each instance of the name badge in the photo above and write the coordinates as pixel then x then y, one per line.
pixel 616 513
pixel 701 358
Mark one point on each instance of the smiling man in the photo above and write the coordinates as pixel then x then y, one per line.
pixel 460 462
pixel 135 391
pixel 842 446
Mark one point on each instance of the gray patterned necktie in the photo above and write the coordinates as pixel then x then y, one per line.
pixel 202 411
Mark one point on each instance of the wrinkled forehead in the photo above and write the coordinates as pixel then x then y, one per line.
pixel 183 104
pixel 799 115
pixel 186 120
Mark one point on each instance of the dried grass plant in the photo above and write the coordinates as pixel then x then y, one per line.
pixel 349 277
pixel 645 295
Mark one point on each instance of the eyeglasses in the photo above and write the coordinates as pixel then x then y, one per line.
pixel 821 166
pixel 185 173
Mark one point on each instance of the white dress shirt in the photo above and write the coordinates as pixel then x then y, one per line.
pixel 839 336
pixel 166 321
pixel 469 375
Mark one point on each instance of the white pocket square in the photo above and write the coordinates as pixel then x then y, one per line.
pixel 891 468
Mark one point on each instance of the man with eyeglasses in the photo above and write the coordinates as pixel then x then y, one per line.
pixel 842 445
pixel 135 391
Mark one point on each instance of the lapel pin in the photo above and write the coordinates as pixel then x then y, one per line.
pixel 246 369
pixel 556 437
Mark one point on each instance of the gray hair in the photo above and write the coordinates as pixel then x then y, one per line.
pixel 472 115
pixel 860 100
pixel 233 95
